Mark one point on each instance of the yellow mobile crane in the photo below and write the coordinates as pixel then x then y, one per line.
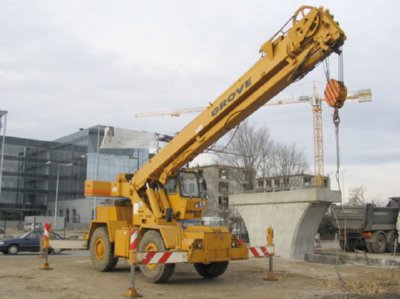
pixel 161 194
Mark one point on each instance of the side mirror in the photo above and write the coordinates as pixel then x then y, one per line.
pixel 203 184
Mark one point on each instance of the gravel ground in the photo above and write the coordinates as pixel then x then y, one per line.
pixel 72 277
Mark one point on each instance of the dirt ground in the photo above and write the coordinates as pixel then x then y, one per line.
pixel 72 277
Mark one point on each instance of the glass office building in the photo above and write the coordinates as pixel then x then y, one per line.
pixel 35 172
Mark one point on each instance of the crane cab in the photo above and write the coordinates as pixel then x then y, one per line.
pixel 186 194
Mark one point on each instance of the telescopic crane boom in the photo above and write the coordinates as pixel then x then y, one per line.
pixel 285 59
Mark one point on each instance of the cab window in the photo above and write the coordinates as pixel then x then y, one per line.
pixel 170 185
pixel 189 184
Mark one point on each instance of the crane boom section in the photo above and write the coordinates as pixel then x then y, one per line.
pixel 286 57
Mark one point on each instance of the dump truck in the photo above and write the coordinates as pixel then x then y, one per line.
pixel 159 196
pixel 367 226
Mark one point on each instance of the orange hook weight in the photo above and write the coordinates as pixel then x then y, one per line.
pixel 335 93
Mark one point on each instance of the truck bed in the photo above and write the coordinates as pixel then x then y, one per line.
pixel 351 217
pixel 364 218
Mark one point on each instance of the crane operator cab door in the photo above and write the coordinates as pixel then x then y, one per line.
pixel 187 195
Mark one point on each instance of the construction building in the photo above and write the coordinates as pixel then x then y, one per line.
pixel 221 182
pixel 290 182
pixel 38 174
pixel 224 180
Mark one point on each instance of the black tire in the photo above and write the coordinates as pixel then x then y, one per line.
pixel 211 270
pixel 102 251
pixel 379 246
pixel 368 246
pixel 358 244
pixel 341 243
pixel 390 244
pixel 12 249
pixel 152 241
pixel 349 246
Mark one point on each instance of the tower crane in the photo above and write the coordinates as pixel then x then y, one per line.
pixel 315 101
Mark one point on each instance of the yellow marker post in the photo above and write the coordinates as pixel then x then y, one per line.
pixel 46 245
pixel 270 242
pixel 132 292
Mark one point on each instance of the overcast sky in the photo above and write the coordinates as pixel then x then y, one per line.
pixel 66 65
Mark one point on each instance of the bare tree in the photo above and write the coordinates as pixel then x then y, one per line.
pixel 379 202
pixel 356 196
pixel 288 161
pixel 252 150
pixel 249 148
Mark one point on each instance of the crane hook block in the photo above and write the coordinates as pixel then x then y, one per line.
pixel 335 93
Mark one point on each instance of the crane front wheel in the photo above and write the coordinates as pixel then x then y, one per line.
pixel 211 270
pixel 157 273
pixel 102 251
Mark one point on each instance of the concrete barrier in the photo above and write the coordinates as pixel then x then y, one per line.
pixel 294 215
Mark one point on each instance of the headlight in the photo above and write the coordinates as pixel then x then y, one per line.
pixel 198 245
pixel 1 243
pixel 199 205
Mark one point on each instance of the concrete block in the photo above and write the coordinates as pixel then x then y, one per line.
pixel 294 215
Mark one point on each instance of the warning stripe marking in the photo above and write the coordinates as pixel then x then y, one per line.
pixel 163 257
pixel 254 251
pixel 264 250
pixel 46 234
pixel 146 260
pixel 261 251
pixel 331 91
pixel 174 257
pixel 134 240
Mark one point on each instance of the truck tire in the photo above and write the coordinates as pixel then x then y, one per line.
pixel 102 251
pixel 379 246
pixel 341 243
pixel 211 270
pixel 390 243
pixel 349 246
pixel 160 273
pixel 368 246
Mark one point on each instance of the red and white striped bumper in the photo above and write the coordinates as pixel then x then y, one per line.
pixel 175 257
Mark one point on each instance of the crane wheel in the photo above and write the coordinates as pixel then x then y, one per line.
pixel 211 270
pixel 159 273
pixel 102 251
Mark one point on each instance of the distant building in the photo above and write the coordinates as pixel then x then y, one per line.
pixel 221 183
pixel 289 182
pixel 223 180
pixel 35 171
